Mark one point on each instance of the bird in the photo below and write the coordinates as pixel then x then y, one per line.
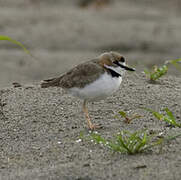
pixel 92 80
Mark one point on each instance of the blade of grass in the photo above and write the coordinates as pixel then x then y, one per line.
pixel 170 114
pixel 169 118
pixel 122 113
pixel 7 38
pixel 98 139
pixel 133 139
pixel 142 143
pixel 146 72
pixel 123 143
pixel 169 138
pixel 115 147
pixel 174 63
pixel 156 114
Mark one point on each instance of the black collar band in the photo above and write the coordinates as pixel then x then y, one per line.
pixel 113 73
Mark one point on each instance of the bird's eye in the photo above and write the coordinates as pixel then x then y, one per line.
pixel 122 59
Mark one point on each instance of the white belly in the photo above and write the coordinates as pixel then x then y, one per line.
pixel 99 89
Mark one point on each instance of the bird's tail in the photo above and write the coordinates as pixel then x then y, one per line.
pixel 50 82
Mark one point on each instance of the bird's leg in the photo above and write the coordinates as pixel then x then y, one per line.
pixel 90 125
pixel 87 115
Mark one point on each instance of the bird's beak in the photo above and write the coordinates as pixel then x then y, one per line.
pixel 126 67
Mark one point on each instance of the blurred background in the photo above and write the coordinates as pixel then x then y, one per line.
pixel 63 33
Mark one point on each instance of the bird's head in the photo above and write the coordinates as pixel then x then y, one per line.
pixel 114 61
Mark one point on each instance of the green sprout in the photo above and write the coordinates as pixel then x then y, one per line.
pixel 127 118
pixel 7 38
pixel 126 142
pixel 169 117
pixel 158 72
pixel 174 63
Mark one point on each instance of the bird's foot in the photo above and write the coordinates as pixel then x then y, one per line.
pixel 128 120
pixel 93 127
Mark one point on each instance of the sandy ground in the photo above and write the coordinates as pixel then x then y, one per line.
pixel 39 127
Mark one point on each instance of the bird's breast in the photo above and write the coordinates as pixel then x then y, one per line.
pixel 99 89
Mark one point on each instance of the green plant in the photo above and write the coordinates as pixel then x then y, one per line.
pixel 130 143
pixel 127 118
pixel 126 142
pixel 174 63
pixel 158 72
pixel 170 138
pixel 169 117
pixel 6 38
